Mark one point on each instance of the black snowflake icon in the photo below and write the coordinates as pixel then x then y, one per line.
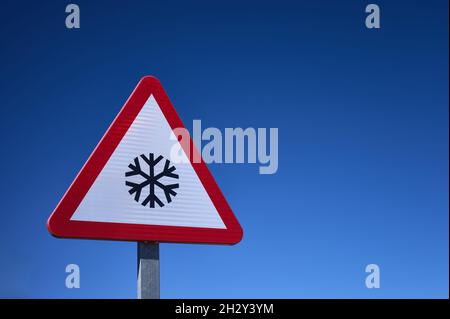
pixel 151 180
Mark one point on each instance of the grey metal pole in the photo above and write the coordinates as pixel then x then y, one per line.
pixel 148 271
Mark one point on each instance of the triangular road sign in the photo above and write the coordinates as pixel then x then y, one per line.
pixel 131 189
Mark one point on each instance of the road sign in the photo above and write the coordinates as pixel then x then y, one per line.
pixel 131 188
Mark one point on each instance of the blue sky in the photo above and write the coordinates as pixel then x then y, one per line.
pixel 363 142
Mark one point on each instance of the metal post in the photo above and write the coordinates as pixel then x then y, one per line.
pixel 148 271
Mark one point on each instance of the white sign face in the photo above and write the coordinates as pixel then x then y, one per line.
pixel 140 185
pixel 131 189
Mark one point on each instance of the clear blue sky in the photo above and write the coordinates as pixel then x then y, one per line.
pixel 363 135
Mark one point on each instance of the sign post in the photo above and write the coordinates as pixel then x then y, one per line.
pixel 134 188
pixel 148 270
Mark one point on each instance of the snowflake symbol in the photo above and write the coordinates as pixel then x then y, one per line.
pixel 151 180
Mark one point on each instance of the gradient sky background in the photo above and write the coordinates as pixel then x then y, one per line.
pixel 363 136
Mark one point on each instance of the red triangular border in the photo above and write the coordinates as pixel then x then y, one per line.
pixel 60 225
